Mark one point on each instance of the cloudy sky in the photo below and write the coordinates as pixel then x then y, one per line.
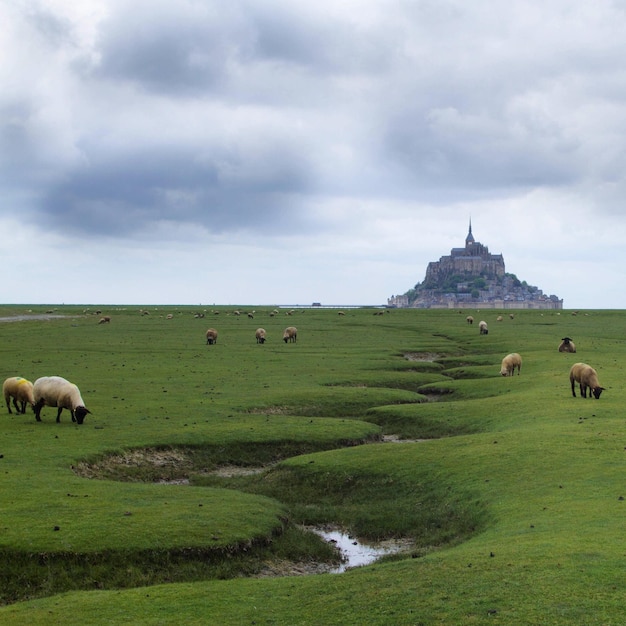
pixel 285 152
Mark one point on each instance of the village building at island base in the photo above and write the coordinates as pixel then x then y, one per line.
pixel 472 276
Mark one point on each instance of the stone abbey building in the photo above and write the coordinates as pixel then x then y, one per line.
pixel 473 276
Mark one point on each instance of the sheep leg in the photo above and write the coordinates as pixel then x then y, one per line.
pixel 59 414
pixel 37 409
pixel 573 387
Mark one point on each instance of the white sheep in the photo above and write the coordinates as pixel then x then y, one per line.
pixel 211 336
pixel 509 363
pixel 587 377
pixel 567 345
pixel 290 334
pixel 56 391
pixel 482 327
pixel 469 319
pixel 20 390
pixel 260 335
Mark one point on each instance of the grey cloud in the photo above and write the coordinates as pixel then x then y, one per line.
pixel 181 50
pixel 198 48
pixel 130 194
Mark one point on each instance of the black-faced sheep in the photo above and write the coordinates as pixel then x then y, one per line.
pixel 469 319
pixel 211 336
pixel 290 334
pixel 587 378
pixel 56 391
pixel 509 363
pixel 20 390
pixel 482 327
pixel 260 335
pixel 567 345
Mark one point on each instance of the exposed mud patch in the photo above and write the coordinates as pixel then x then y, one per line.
pixel 427 357
pixel 167 466
pixel 33 316
pixel 396 439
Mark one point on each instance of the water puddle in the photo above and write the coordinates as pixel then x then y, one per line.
pixel 355 553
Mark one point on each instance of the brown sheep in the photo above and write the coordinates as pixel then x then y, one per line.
pixel 104 320
pixel 509 363
pixel 290 334
pixel 567 345
pixel 211 336
pixel 20 390
pixel 587 378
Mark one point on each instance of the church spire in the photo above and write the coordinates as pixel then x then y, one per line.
pixel 470 238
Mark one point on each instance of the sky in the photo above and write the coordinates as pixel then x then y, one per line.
pixel 284 152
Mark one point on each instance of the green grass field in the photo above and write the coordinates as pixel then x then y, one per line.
pixel 511 490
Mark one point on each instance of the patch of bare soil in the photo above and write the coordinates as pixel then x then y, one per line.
pixel 230 471
pixel 396 439
pixel 173 466
pixel 35 316
pixel 289 568
pixel 148 457
pixel 427 357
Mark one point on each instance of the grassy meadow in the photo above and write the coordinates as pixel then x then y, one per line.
pixel 511 491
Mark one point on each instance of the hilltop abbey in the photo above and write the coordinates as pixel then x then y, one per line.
pixel 473 276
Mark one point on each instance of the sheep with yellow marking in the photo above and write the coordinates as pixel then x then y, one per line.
pixel 20 391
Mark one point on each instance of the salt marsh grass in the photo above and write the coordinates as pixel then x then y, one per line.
pixel 514 501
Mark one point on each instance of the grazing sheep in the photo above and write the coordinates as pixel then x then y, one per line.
pixel 56 391
pixel 567 345
pixel 104 320
pixel 260 335
pixel 290 334
pixel 509 363
pixel 211 336
pixel 512 316
pixel 499 318
pixel 21 390
pixel 482 326
pixel 469 319
pixel 587 377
